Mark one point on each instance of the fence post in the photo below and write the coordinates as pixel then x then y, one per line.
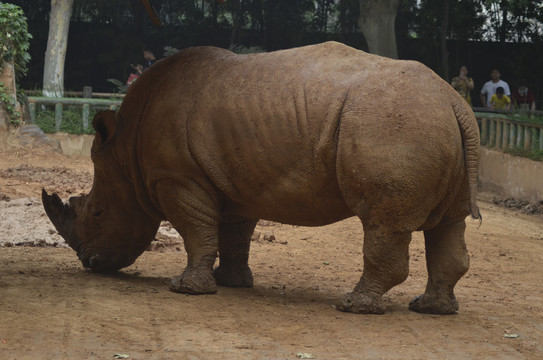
pixel 499 127
pixel 85 114
pixel 512 135
pixel 527 138
pixel 505 134
pixel 520 133
pixel 32 111
pixel 540 138
pixel 484 131
pixel 492 134
pixel 58 116
pixel 87 91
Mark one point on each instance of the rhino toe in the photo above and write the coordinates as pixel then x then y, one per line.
pixel 234 277
pixel 194 282
pixel 426 304
pixel 361 303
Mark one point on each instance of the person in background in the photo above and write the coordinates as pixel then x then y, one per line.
pixel 149 59
pixel 489 88
pixel 523 97
pixel 463 84
pixel 499 100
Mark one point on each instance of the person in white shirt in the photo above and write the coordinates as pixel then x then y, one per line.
pixel 489 88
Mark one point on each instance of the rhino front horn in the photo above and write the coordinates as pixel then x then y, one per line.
pixel 61 215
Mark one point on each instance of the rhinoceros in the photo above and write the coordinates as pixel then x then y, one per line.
pixel 213 141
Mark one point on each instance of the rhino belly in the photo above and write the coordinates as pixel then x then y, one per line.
pixel 296 203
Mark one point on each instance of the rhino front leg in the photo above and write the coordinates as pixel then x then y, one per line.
pixel 194 214
pixel 386 264
pixel 234 243
pixel 447 260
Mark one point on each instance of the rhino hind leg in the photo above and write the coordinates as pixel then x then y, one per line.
pixel 386 264
pixel 447 260
pixel 234 243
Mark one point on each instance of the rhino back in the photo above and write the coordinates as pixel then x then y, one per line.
pixel 265 128
pixel 262 127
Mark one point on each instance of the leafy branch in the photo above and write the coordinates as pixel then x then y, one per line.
pixel 14 45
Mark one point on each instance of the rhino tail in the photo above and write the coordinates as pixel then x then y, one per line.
pixel 471 143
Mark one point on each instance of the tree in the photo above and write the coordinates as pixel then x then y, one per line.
pixel 376 21
pixel 57 43
pixel 514 20
pixel 14 43
pixel 443 39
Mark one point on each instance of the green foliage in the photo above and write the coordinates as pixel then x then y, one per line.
pixel 14 44
pixel 514 20
pixel 71 120
pixel 14 38
pixel 240 49
pixel 536 155
pixel 10 105
pixel 527 118
pixel 465 19
pixel 121 86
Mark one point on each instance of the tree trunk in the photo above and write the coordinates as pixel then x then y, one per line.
pixel 376 21
pixel 57 42
pixel 7 77
pixel 236 23
pixel 443 40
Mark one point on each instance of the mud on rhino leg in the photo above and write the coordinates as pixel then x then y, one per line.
pixel 194 215
pixel 386 264
pixel 234 243
pixel 447 260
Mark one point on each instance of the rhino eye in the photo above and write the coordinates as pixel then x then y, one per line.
pixel 98 214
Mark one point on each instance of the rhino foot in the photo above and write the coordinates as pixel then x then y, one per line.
pixel 194 281
pixel 361 303
pixel 233 277
pixel 427 304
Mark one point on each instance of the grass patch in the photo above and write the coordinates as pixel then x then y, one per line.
pixel 536 155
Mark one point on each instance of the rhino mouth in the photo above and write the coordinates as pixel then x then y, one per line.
pixel 63 216
pixel 102 264
pixel 90 250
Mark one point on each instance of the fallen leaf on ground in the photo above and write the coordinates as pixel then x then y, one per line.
pixel 305 356
pixel 121 356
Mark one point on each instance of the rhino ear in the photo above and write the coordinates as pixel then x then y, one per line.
pixel 104 123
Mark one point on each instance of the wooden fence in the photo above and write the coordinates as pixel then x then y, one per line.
pixel 85 103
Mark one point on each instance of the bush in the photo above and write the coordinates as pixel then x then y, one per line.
pixel 72 120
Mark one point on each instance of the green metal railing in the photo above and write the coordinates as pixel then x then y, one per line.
pixel 85 103
pixel 499 129
pixel 503 131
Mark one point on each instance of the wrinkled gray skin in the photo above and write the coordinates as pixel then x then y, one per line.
pixel 214 141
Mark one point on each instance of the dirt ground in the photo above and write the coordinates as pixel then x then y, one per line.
pixel 51 308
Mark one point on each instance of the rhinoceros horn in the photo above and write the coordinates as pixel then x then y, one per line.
pixel 62 216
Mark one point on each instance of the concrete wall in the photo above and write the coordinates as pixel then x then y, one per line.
pixel 74 144
pixel 511 176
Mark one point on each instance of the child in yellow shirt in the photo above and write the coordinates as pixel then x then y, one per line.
pixel 499 100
